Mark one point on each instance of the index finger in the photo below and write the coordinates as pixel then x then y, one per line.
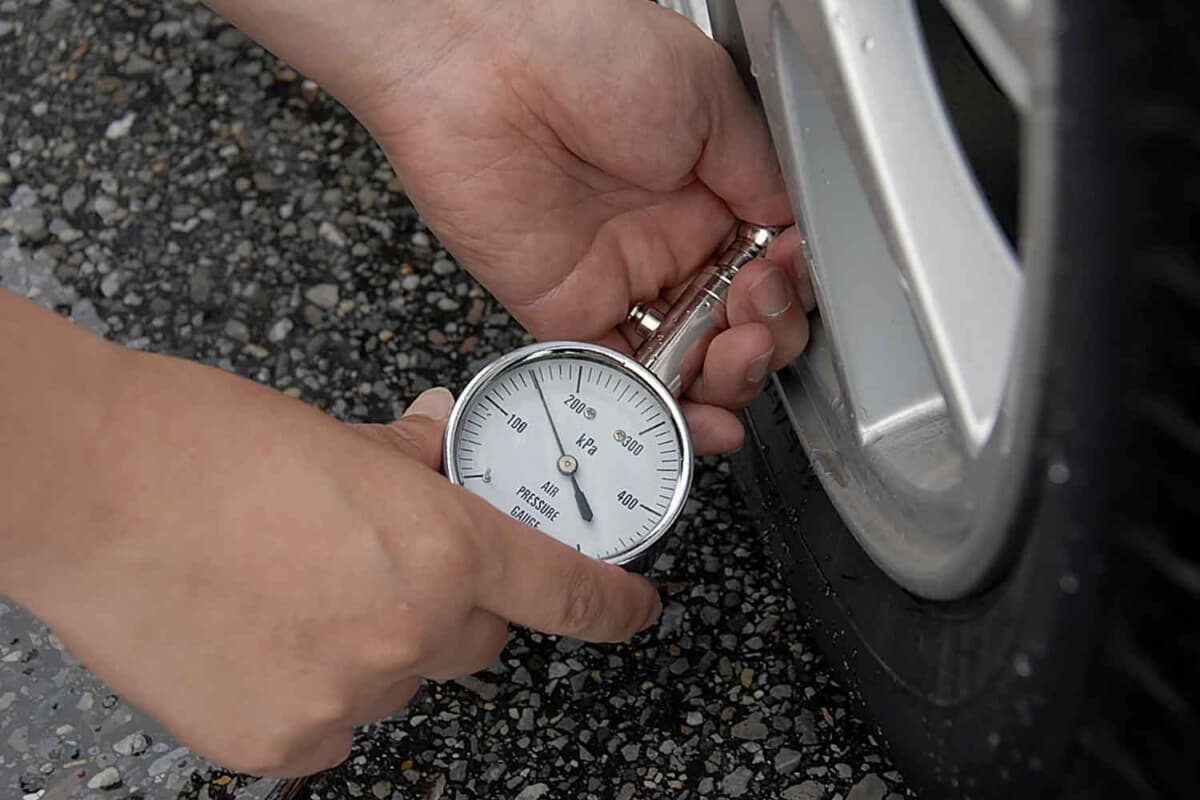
pixel 738 162
pixel 541 583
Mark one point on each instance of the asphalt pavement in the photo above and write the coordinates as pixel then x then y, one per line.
pixel 167 184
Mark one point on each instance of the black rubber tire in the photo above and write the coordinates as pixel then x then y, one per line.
pixel 1075 674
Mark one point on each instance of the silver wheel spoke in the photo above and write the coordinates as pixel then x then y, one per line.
pixel 1001 33
pixel 944 249
pixel 910 399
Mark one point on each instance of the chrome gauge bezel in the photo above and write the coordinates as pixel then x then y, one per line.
pixel 600 355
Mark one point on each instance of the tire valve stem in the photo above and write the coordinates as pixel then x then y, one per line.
pixel 676 344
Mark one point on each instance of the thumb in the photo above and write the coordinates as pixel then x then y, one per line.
pixel 432 403
pixel 546 585
pixel 418 433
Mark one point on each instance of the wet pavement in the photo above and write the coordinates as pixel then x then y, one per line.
pixel 167 184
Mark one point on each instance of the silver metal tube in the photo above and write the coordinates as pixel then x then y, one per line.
pixel 675 350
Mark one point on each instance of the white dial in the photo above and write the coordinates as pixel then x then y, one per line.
pixel 576 444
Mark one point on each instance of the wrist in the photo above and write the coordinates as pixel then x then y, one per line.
pixel 366 53
pixel 53 437
pixel 457 47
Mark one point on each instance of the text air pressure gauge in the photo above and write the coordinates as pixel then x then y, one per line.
pixel 587 444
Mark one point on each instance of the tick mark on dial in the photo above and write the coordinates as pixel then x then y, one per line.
pixel 497 405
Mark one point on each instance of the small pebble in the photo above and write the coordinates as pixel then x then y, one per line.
pixel 870 787
pixel 106 778
pixel 737 782
pixel 132 745
pixel 280 330
pixel 749 730
pixel 237 330
pixel 119 128
pixel 323 295
pixel 809 790
pixel 787 761
pixel 330 233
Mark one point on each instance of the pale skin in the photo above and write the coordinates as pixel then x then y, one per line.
pixel 262 578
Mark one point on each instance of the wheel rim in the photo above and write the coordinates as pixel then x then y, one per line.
pixel 914 399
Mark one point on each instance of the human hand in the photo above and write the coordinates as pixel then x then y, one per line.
pixel 262 578
pixel 577 157
pixel 584 157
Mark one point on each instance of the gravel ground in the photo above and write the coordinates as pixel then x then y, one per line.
pixel 169 185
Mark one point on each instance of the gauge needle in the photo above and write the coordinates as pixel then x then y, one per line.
pixel 585 509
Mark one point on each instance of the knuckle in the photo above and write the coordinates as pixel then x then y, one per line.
pixel 491 643
pixel 457 548
pixel 449 552
pixel 737 401
pixel 408 644
pixel 487 653
pixel 581 604
pixel 269 756
pixel 405 437
pixel 324 709
pixel 294 760
pixel 284 742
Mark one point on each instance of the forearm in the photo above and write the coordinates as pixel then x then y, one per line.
pixel 59 390
pixel 360 49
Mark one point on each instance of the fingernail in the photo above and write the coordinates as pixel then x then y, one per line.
pixel 771 294
pixel 433 403
pixel 655 613
pixel 757 370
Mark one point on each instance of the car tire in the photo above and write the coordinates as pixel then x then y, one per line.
pixel 1074 673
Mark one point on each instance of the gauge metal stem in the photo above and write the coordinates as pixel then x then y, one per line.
pixel 675 347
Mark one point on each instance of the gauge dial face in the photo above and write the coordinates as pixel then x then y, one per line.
pixel 575 446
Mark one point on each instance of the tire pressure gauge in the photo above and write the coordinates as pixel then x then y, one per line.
pixel 587 444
